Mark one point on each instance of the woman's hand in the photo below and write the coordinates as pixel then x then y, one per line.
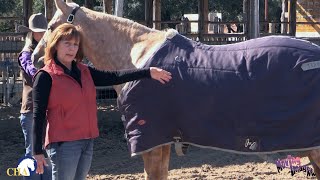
pixel 41 161
pixel 159 74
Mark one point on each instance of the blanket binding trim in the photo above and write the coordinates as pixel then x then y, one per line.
pixel 227 150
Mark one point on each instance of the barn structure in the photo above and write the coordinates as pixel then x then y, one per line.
pixel 153 14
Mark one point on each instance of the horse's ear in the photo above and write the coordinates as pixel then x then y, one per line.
pixel 60 4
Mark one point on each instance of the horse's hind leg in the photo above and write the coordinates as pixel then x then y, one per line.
pixel 165 161
pixel 156 163
pixel 314 157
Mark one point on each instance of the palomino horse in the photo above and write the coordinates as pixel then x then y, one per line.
pixel 112 43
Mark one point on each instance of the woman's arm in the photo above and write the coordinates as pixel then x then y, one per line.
pixel 26 63
pixel 40 95
pixel 108 78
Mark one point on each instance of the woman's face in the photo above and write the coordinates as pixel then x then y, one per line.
pixel 37 35
pixel 67 50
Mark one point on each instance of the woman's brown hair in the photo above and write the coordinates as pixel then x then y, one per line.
pixel 64 31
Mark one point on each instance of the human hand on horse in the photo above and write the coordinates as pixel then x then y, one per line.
pixel 159 74
pixel 41 161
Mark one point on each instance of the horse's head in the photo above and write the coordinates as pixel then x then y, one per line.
pixel 65 13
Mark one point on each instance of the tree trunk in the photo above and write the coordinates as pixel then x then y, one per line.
pixel 200 19
pixel 27 6
pixel 293 17
pixel 107 6
pixel 157 13
pixel 50 9
pixel 89 4
pixel 148 12
pixel 284 20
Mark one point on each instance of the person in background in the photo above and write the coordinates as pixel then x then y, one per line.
pixel 35 31
pixel 64 97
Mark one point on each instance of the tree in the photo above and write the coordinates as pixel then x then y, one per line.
pixel 15 9
pixel 10 9
pixel 231 9
pixel 6 6
pixel 38 6
pixel 134 9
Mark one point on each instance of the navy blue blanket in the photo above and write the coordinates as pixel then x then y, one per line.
pixel 257 96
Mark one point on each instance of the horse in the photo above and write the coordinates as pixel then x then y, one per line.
pixel 112 43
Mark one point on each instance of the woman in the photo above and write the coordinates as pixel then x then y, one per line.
pixel 64 94
pixel 35 31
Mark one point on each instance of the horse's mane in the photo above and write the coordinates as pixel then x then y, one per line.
pixel 126 22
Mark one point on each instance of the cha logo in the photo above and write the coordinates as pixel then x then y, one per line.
pixel 26 167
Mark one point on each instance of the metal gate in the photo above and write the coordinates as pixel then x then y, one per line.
pixel 10 80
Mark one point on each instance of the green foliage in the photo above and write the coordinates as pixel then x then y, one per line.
pixel 6 6
pixel 38 6
pixel 15 9
pixel 275 10
pixel 171 10
pixel 10 9
pixel 231 9
pixel 133 9
pixel 80 2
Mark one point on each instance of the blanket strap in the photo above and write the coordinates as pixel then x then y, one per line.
pixel 181 148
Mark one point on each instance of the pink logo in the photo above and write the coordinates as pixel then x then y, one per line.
pixel 141 122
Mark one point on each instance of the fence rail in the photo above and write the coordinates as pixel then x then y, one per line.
pixel 10 79
pixel 12 43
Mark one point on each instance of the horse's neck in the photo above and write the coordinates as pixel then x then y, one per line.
pixel 115 43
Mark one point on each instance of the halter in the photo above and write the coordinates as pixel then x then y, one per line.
pixel 73 13
pixel 70 20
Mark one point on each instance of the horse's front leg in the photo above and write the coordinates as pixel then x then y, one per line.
pixel 156 163
pixel 314 157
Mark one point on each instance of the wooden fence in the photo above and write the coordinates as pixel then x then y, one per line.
pixel 12 43
pixel 10 81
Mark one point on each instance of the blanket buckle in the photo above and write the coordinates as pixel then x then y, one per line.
pixel 181 148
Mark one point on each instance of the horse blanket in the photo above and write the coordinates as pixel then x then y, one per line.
pixel 257 96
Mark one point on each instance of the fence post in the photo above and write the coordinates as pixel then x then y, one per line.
pixel 5 91
pixel 148 11
pixel 254 29
pixel 27 7
pixel 293 17
pixel 284 25
pixel 200 19
pixel 246 17
pixel 118 8
pixel 157 14
pixel 272 28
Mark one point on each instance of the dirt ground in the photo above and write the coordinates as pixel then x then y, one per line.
pixel 112 161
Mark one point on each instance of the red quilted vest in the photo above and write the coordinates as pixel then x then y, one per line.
pixel 72 109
